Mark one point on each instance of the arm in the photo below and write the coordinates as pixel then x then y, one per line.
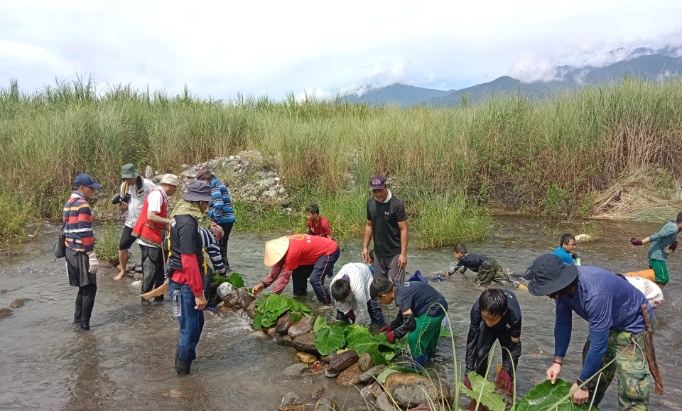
pixel 409 324
pixel 213 251
pixel 511 353
pixel 397 321
pixel 598 343
pixel 360 298
pixel 154 217
pixel 472 341
pixel 562 337
pixel 404 237
pixel 366 240
pixel 87 236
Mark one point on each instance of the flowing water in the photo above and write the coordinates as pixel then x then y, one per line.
pixel 126 361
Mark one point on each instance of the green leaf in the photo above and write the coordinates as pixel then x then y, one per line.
pixel 274 305
pixel 236 280
pixel 295 317
pixel 257 321
pixel 329 339
pixel 483 392
pixel 385 373
pixel 319 323
pixel 548 396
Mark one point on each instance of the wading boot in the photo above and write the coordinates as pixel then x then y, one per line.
pixel 182 367
pixel 76 318
pixel 85 324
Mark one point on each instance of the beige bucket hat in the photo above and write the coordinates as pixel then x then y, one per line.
pixel 275 250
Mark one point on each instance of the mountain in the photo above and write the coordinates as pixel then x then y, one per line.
pixel 652 65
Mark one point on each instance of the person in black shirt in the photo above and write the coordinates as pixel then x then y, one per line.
pixel 495 316
pixel 487 269
pixel 421 310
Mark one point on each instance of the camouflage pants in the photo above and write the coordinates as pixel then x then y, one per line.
pixel 631 368
pixel 491 271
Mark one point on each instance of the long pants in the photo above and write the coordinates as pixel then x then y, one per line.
pixel 484 343
pixel 227 228
pixel 661 270
pixel 424 338
pixel 491 271
pixel 85 302
pixel 374 310
pixel 191 322
pixel 631 367
pixel 324 266
pixel 300 279
pixel 152 269
pixel 389 265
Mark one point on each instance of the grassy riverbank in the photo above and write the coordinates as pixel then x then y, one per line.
pixel 450 165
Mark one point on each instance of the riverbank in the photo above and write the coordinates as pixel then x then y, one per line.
pixel 453 167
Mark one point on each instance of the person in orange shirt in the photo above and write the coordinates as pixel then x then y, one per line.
pixel 286 254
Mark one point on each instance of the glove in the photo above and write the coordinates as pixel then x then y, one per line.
pixel 116 199
pixel 350 314
pixel 467 383
pixel 126 198
pixel 505 380
pixel 673 246
pixel 390 337
pixel 385 328
pixel 575 256
pixel 635 241
pixel 94 263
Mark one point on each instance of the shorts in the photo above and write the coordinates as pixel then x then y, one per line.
pixel 127 238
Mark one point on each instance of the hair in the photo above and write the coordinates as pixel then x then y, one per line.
pixel 380 285
pixel 313 209
pixel 493 301
pixel 340 289
pixel 205 174
pixel 679 217
pixel 460 248
pixel 569 290
pixel 566 238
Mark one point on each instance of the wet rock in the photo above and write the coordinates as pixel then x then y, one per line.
pixel 317 393
pixel 244 298
pixel 413 389
pixel 372 373
pixel 383 403
pixel 350 376
pixel 376 389
pixel 325 404
pixel 283 324
pixel 251 309
pixel 4 291
pixel 259 334
pixel 366 394
pixel 305 357
pixel 19 302
pixel 340 362
pixel 365 362
pixel 305 325
pixel 5 312
pixel 138 268
pixel 299 407
pixel 295 369
pixel 284 340
pixel 225 289
pixel 137 276
pixel 289 399
pixel 136 283
pixel 272 331
pixel 582 238
pixel 306 342
pixel 231 300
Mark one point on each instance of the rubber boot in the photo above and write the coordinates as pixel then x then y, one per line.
pixel 76 319
pixel 88 305
pixel 85 324
pixel 419 362
pixel 182 367
pixel 79 309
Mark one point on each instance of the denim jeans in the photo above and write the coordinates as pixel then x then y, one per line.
pixel 324 266
pixel 191 322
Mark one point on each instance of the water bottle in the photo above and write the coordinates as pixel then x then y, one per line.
pixel 177 299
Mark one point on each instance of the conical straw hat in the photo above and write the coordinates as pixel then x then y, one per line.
pixel 275 250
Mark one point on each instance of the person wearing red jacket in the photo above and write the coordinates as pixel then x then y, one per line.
pixel 186 268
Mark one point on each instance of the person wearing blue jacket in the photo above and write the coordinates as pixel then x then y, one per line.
pixel 613 309
pixel 566 249
pixel 661 244
pixel 220 209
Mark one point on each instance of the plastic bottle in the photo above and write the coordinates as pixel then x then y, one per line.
pixel 176 297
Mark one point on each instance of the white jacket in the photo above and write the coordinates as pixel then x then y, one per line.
pixel 360 279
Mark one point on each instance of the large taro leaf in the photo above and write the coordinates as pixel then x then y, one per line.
pixel 319 323
pixel 274 305
pixel 548 396
pixel 483 392
pixel 329 339
pixel 236 280
pixel 360 340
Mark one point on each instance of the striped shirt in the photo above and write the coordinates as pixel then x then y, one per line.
pixel 77 217
pixel 220 209
pixel 212 248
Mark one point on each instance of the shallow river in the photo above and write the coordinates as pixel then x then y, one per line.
pixel 126 361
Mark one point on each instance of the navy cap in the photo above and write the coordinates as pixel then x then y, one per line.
pixel 85 180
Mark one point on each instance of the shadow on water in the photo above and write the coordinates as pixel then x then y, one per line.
pixel 126 361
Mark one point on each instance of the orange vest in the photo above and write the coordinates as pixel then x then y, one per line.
pixel 150 231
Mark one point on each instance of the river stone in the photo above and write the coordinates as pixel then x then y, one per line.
pixel 299 407
pixel 372 373
pixel 295 369
pixel 305 325
pixel 136 283
pixel 289 399
pixel 148 172
pixel 340 362
pixel 283 324
pixel 317 393
pixel 231 300
pixel 244 298
pixel 325 404
pixel 306 358
pixel 306 342
pixel 224 289
pixel 251 309
pixel 365 362
pixel 272 331
pixel 19 302
pixel 5 312
pixel 284 340
pixel 366 394
pixel 350 376
pixel 383 403
pixel 376 388
pixel 412 389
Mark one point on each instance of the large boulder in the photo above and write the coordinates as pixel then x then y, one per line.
pixel 413 389
pixel 372 373
pixel 305 342
pixel 251 309
pixel 225 289
pixel 244 297
pixel 305 325
pixel 350 376
pixel 283 324
pixel 340 362
pixel 365 362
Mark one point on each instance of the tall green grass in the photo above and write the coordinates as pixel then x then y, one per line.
pixel 505 153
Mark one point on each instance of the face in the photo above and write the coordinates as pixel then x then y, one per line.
pixel 203 206
pixel 130 181
pixel 380 194
pixel 570 247
pixel 87 191
pixel 310 216
pixel 384 299
pixel 490 320
pixel 169 189
pixel 458 255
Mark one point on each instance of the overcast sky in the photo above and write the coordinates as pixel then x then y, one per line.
pixel 256 47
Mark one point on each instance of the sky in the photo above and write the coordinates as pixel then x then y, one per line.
pixel 318 48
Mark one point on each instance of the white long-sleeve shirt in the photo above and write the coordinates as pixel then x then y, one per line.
pixel 360 279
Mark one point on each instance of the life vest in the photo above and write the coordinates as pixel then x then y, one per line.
pixel 150 231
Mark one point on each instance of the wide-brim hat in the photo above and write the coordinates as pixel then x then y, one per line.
pixel 275 250
pixel 129 171
pixel 170 179
pixel 549 274
pixel 198 191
